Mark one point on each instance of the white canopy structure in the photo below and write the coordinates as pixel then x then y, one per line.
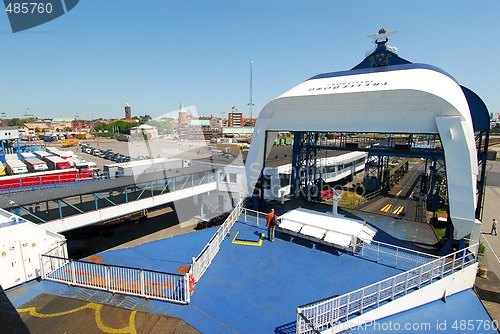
pixel 339 231
pixel 404 98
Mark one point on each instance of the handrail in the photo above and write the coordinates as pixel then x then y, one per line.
pixel 111 265
pixel 310 324
pixel 407 250
pixel 201 263
pixel 335 310
pixel 172 287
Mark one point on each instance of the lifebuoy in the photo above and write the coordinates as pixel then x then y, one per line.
pixel 191 284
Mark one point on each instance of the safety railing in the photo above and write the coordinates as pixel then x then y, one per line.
pixel 326 313
pixel 254 216
pixel 126 280
pixel 390 255
pixel 201 263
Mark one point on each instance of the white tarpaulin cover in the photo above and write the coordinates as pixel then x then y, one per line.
pixel 336 230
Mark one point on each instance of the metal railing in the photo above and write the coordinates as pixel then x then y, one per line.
pixel 326 313
pixel 247 213
pixel 201 263
pixel 131 281
pixel 390 255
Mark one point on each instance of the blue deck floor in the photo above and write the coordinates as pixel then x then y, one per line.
pixel 165 255
pixel 248 289
pixel 461 313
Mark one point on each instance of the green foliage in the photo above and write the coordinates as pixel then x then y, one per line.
pixel 481 249
pixel 123 127
pixel 15 122
pixel 103 127
pixel 162 126
pixel 118 127
pixel 440 232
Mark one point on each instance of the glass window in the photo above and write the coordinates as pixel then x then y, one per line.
pixel 232 178
pixel 284 180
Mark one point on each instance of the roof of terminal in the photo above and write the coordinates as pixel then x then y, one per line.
pixel 279 156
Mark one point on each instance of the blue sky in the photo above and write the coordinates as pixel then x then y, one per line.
pixel 155 54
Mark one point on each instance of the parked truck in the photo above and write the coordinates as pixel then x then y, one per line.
pixel 69 142
pixel 15 167
pixel 55 162
pixel 35 165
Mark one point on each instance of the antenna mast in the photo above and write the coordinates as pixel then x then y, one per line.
pixel 250 104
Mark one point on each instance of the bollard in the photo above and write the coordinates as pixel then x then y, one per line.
pixel 483 272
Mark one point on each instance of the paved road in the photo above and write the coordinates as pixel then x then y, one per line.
pixel 489 288
pixel 402 200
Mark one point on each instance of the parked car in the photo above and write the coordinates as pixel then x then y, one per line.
pixel 212 220
pixel 327 194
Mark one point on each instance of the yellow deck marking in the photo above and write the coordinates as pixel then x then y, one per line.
pixel 97 308
pixel 248 243
pixel 398 210
pixel 386 208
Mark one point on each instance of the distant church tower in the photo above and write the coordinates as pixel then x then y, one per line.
pixel 128 112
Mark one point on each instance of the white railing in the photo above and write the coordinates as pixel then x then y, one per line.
pixel 54 259
pixel 394 256
pixel 247 213
pixel 131 281
pixel 324 314
pixel 201 263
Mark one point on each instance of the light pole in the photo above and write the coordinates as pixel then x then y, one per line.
pixel 250 103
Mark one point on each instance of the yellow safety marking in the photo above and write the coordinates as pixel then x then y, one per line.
pixel 97 308
pixel 398 210
pixel 386 208
pixel 248 243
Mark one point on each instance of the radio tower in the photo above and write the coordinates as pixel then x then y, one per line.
pixel 250 104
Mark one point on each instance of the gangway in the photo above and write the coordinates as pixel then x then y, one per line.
pixel 65 208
